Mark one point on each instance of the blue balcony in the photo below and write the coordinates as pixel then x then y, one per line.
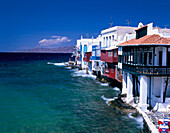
pixel 94 58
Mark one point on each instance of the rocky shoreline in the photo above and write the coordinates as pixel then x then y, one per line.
pixel 150 118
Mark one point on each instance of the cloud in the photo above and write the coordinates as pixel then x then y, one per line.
pixel 55 40
pixel 55 36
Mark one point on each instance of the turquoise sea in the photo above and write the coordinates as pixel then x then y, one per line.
pixel 39 95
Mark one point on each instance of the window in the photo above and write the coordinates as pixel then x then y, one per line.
pixel 106 41
pixel 93 53
pixel 112 37
pixel 115 53
pixel 97 52
pixel 109 40
pixel 120 58
pixel 125 59
pixel 141 58
pixel 160 58
pixel 103 41
pixel 150 58
pixel 112 70
pixel 145 58
pixel 168 63
pixel 110 54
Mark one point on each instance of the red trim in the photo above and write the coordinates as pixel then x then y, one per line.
pixel 109 59
pixel 87 57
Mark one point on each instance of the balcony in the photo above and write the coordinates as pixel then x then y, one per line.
pixel 87 57
pixel 109 56
pixel 94 58
pixel 147 70
pixel 109 59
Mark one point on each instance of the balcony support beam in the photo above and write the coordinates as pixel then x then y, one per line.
pixel 143 93
pixel 129 88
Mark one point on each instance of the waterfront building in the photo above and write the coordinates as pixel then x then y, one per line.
pixel 83 45
pixel 111 37
pixel 145 62
pixel 88 61
pixel 96 55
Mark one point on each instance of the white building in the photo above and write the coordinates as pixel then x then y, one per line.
pixel 145 62
pixel 83 45
pixel 111 37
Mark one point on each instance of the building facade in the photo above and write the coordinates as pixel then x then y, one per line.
pixel 145 63
pixel 109 51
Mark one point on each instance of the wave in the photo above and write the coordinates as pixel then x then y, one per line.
pixel 104 84
pixel 116 89
pixel 50 63
pixel 74 70
pixel 68 67
pixel 82 73
pixel 60 64
pixel 108 99
pixel 57 64
pixel 139 119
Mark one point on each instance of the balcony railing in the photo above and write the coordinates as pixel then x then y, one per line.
pixel 94 58
pixel 147 70
pixel 109 59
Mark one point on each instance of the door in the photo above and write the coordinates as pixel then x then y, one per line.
pixel 145 58
pixel 160 58
pixel 168 59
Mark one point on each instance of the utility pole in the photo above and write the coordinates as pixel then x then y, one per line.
pixel 128 22
pixel 111 24
pixel 87 35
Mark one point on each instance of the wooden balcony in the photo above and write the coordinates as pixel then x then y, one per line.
pixel 109 56
pixel 109 59
pixel 87 57
pixel 147 70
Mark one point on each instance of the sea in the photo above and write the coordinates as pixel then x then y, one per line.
pixel 38 94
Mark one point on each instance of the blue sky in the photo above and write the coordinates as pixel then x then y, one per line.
pixel 28 24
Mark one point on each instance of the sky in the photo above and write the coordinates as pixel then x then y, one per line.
pixel 26 24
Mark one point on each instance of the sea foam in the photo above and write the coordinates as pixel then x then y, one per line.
pixel 104 84
pixel 108 99
pixel 50 63
pixel 82 73
pixel 59 64
pixel 139 119
pixel 116 89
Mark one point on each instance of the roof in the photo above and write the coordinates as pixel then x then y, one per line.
pixel 110 48
pixel 147 40
pixel 111 29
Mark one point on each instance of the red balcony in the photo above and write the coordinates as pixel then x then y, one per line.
pixel 109 56
pixel 110 72
pixel 87 57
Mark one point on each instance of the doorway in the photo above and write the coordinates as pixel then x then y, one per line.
pixel 160 58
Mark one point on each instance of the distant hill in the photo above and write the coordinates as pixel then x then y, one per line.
pixel 49 50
